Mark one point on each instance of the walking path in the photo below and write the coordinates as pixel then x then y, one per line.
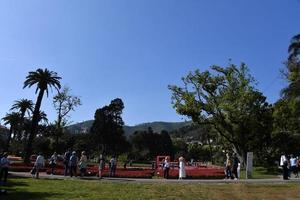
pixel 195 181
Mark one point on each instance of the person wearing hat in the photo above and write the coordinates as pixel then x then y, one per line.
pixel 4 163
pixel 73 164
pixel 181 168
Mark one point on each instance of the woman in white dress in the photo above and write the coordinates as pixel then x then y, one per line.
pixel 181 168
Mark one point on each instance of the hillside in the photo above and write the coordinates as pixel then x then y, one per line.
pixel 84 127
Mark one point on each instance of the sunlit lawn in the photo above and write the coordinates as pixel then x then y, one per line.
pixel 32 189
pixel 262 173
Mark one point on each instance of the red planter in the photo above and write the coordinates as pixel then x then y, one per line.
pixel 130 172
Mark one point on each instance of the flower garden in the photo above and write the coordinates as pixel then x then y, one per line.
pixel 192 172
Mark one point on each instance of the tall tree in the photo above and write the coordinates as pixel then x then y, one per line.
pixel 23 106
pixel 148 144
pixel 43 79
pixel 286 131
pixel 63 103
pixel 227 100
pixel 12 119
pixel 107 128
pixel 294 47
pixel 292 72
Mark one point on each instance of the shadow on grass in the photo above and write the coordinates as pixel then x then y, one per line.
pixel 13 191
pixel 13 184
pixel 11 195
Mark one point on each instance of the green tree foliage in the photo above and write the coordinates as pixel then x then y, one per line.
pixel 23 106
pixel 13 120
pixel 294 47
pixel 292 72
pixel 107 129
pixel 63 103
pixel 43 79
pixel 146 145
pixel 180 147
pixel 226 99
pixel 3 135
pixel 286 134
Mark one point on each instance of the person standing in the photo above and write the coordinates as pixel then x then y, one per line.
pixel 293 164
pixel 113 166
pixel 66 162
pixel 181 168
pixel 285 170
pixel 73 164
pixel 235 165
pixel 39 164
pixel 282 160
pixel 52 162
pixel 228 166
pixel 83 163
pixel 101 166
pixel 4 163
pixel 239 170
pixel 166 167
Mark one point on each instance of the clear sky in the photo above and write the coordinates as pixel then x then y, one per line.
pixel 132 49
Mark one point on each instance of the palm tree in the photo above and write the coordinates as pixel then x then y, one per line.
pixel 13 119
pixel 292 91
pixel 43 79
pixel 23 106
pixel 27 122
pixel 42 117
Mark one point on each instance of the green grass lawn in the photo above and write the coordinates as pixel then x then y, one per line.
pixel 261 173
pixel 32 189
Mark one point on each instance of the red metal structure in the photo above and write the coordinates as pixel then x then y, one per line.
pixel 159 160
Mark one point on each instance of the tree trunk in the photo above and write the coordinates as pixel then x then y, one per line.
pixel 34 126
pixel 21 128
pixel 59 131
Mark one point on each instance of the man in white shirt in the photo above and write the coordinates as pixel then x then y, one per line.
pixel 282 160
pixel 293 163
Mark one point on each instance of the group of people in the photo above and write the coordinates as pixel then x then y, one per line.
pixel 290 165
pixel 232 167
pixel 71 163
pixel 166 167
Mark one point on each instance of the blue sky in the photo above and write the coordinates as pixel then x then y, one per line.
pixel 134 49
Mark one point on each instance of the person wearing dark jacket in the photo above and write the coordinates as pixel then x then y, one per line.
pixel 235 165
pixel 4 163
pixel 66 162
pixel 73 164
pixel 285 170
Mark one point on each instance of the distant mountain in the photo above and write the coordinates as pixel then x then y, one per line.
pixel 84 127
pixel 156 127
pixel 81 127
